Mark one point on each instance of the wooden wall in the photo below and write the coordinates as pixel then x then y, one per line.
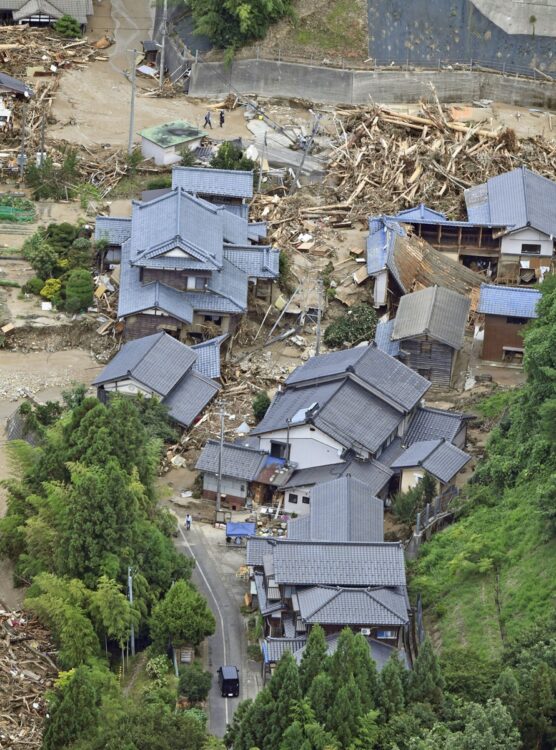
pixel 140 325
pixel 438 361
pixel 500 333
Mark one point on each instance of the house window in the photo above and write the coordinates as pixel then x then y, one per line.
pixel 278 450
pixel 242 488
pixel 216 319
pixel 530 249
pixel 386 634
pixel 306 500
pixel 516 321
pixel 426 347
pixel 292 498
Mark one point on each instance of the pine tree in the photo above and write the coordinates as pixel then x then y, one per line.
pixel 538 707
pixel 506 689
pixel 284 689
pixel 343 718
pixel 391 694
pixel 314 658
pixel 426 683
pixel 368 732
pixel 364 672
pixel 341 665
pixel 321 696
pixel 183 616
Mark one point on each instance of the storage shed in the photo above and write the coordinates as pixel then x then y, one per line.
pixel 507 311
pixel 162 143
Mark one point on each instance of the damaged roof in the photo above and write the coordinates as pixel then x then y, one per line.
pixel 436 312
pixel 372 473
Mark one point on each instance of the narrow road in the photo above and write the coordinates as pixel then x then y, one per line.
pixel 215 577
pixel 133 23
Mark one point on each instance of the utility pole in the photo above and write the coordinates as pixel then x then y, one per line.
pixel 132 105
pixel 163 47
pixel 43 125
pixel 222 413
pixel 319 315
pixel 130 595
pixel 22 149
pixel 263 155
pixel 306 150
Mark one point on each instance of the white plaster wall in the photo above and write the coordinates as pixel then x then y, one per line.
pixel 129 386
pixel 380 289
pixel 309 446
pixel 511 243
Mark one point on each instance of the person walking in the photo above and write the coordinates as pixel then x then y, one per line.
pixel 188 522
pixel 222 118
pixel 208 123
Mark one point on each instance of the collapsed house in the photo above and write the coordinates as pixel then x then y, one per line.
pixel 334 570
pixel 427 333
pixel 159 366
pixel 510 232
pixel 506 310
pixel 187 264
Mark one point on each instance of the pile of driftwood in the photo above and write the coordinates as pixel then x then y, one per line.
pixel 27 670
pixel 387 161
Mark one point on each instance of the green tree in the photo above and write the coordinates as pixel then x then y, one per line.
pixel 368 732
pixel 321 696
pixel 488 728
pixel 79 290
pixel 261 402
pixel 40 254
pixel 506 690
pixel 113 612
pixel 234 22
pixel 426 683
pixel 305 733
pixel 357 325
pixel 538 707
pixel 286 693
pixel 194 683
pixel 183 616
pixel 391 697
pixel 344 715
pixel 365 673
pixel 67 26
pixel 314 658
pixel 80 254
pixel 230 156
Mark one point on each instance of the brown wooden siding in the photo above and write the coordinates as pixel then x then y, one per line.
pixel 229 501
pixel 435 365
pixel 175 279
pixel 500 333
pixel 140 325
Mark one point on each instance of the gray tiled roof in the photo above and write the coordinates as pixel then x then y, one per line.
pixel 383 338
pixel 115 230
pixel 515 199
pixel 220 182
pixel 288 403
pixel 336 606
pixel 78 9
pixel 257 261
pixel 374 475
pixel 383 374
pixel 265 607
pixel 431 424
pixel 518 302
pixel 14 83
pixel 158 361
pixel 135 297
pixel 190 396
pixel 237 460
pixel 380 652
pixel 208 356
pixel 257 548
pixel 257 230
pixel 441 459
pixel 391 452
pixel 338 563
pixel 436 312
pixel 274 648
pixel 232 283
pixel 344 510
pixel 235 228
pixel 299 528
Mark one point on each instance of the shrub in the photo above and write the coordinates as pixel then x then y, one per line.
pixel 80 254
pixel 53 181
pixel 230 156
pixel 261 402
pixel 7 282
pixel 157 669
pixel 160 182
pixel 67 26
pixel 42 257
pixel 33 286
pixel 194 683
pixel 79 290
pixel 357 325
pixel 188 158
pixel 51 289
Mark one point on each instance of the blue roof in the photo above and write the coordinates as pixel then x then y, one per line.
pixel 420 213
pixel 235 528
pixel 381 241
pixel 383 338
pixel 517 302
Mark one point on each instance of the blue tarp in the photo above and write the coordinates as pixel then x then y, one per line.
pixel 240 529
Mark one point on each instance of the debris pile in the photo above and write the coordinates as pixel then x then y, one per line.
pixel 27 671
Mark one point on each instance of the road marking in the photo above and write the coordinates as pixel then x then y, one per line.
pixel 197 565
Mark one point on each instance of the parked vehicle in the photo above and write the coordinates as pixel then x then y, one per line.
pixel 228 680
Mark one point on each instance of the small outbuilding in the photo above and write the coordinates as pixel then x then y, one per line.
pixel 440 459
pixel 507 311
pixel 163 143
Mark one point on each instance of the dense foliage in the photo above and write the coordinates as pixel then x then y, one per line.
pixel 356 325
pixel 82 515
pixel 230 156
pixel 67 26
pixel 261 402
pixel 231 23
pixel 341 702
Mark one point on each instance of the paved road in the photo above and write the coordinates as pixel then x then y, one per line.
pixel 215 576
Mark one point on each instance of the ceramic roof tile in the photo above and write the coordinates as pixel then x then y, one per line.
pixel 336 606
pixel 115 230
pixel 14 84
pixel 372 473
pixel 436 312
pixel 518 302
pixel 189 397
pixel 441 459
pixel 218 182
pixel 256 261
pixel 237 460
pixel 78 9
pixel 383 338
pixel 431 424
pixel 208 356
pixel 380 652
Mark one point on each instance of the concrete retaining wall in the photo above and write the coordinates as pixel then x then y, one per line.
pixel 333 86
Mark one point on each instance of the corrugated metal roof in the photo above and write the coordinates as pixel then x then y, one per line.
pixel 237 460
pixel 515 199
pixel 420 213
pixel 383 338
pixel 190 396
pixel 517 302
pixel 221 182
pixel 343 510
pixel 437 312
pixel 208 356
pixel 339 564
pixel 337 606
pixel 115 230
